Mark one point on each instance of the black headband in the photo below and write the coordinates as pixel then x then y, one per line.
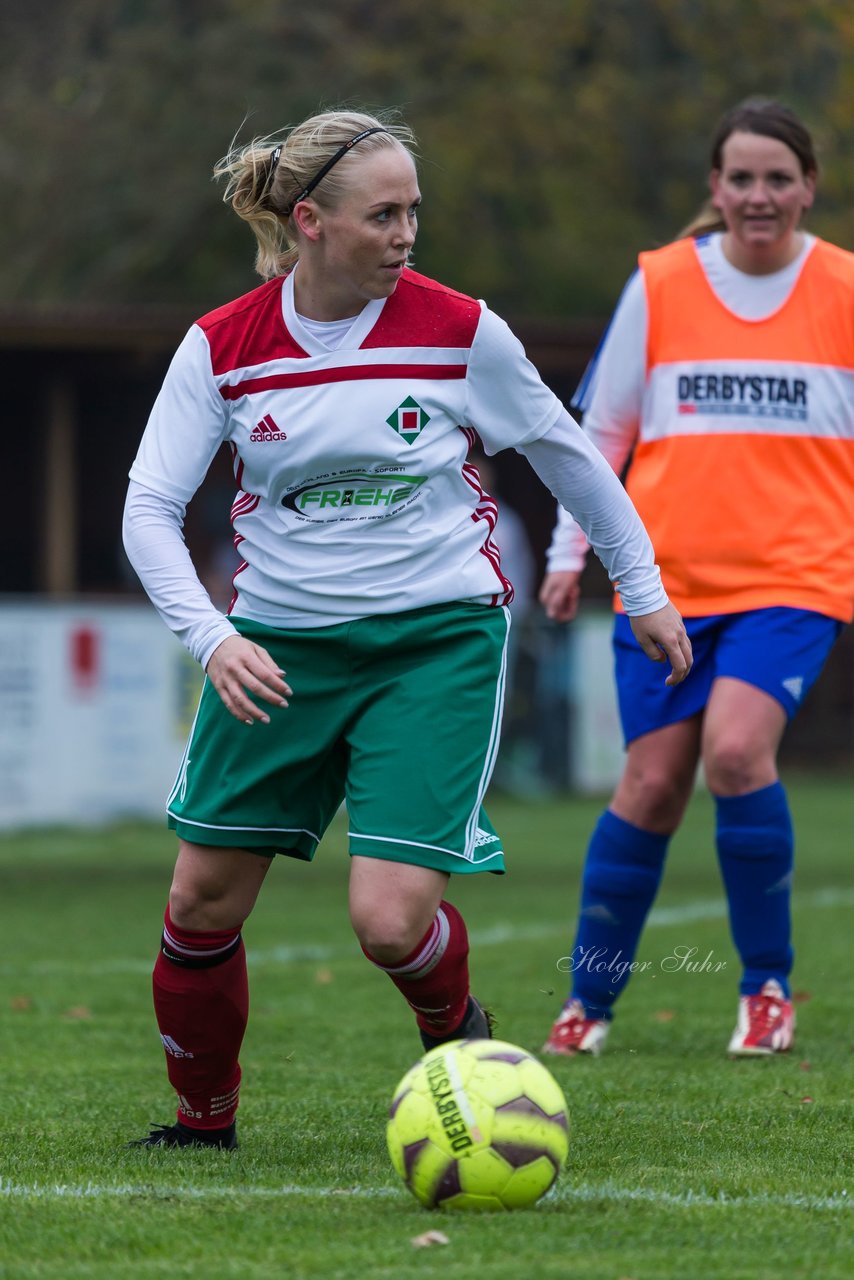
pixel 318 177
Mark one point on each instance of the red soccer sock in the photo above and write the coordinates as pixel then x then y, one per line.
pixel 434 977
pixel 201 1000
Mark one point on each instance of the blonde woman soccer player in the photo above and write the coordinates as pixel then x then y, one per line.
pixel 362 657
pixel 728 370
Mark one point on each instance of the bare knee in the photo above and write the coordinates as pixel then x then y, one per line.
pixel 389 933
pixel 652 795
pixel 193 906
pixel 214 888
pixel 742 730
pixel 392 905
pixel 734 766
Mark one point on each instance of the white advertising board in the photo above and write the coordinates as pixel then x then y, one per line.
pixel 595 737
pixel 95 704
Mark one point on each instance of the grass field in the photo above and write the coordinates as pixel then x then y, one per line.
pixel 683 1165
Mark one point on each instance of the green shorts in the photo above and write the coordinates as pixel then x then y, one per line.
pixel 398 715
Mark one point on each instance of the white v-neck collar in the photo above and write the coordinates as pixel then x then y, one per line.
pixel 750 297
pixel 362 324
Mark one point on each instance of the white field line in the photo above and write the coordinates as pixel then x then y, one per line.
pixel 564 1195
pixel 495 935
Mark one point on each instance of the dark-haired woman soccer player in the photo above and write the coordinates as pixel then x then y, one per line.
pixel 729 370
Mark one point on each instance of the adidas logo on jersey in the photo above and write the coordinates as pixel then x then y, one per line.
pixel 267 429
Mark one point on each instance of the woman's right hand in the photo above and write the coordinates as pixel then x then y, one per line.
pixel 560 593
pixel 238 668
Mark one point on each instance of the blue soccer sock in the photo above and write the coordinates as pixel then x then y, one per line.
pixel 756 854
pixel 621 878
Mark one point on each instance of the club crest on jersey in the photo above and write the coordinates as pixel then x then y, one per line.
pixel 408 420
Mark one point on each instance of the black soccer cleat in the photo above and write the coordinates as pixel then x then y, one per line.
pixel 476 1025
pixel 179 1135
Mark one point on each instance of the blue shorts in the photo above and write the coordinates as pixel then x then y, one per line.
pixel 779 650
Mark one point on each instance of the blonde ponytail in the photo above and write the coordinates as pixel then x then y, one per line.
pixel 265 177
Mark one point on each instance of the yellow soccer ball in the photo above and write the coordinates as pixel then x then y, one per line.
pixel 478 1124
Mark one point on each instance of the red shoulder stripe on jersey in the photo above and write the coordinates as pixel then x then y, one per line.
pixel 423 313
pixel 250 330
pixel 347 373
